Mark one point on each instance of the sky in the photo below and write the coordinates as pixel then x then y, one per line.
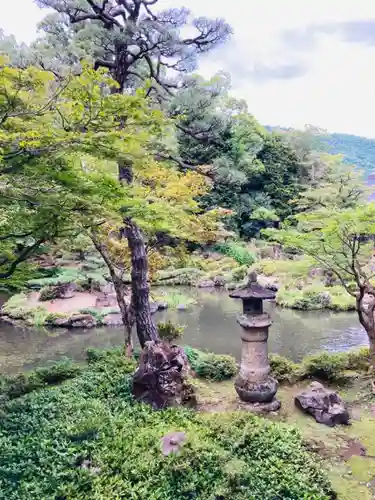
pixel 295 62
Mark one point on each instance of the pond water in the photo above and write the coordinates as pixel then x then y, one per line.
pixel 210 324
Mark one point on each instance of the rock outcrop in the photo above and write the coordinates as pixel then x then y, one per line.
pixel 326 406
pixel 76 321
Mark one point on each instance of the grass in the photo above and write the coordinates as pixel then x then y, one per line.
pixel 315 296
pixel 351 479
pixel 289 269
pixel 174 299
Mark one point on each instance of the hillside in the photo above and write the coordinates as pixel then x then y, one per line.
pixel 357 150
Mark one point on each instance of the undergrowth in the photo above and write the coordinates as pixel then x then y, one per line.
pixel 86 439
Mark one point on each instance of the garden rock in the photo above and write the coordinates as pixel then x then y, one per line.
pixel 219 281
pixel 76 321
pixel 181 307
pixel 326 406
pixel 206 284
pixel 160 379
pixel 162 306
pixel 105 300
pixel 154 307
pixel 65 291
pixel 113 319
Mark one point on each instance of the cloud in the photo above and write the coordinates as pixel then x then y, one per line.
pixel 356 31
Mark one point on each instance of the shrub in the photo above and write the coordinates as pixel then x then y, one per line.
pixel 284 370
pixel 174 299
pixel 53 373
pixel 215 367
pixel 325 365
pixel 170 332
pixel 192 355
pixel 239 273
pixel 358 359
pixel 238 252
pixel 45 436
pixel 113 361
pixel 48 293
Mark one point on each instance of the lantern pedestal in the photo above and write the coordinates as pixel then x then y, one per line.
pixel 254 385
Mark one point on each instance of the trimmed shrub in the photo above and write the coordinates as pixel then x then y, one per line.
pixel 215 367
pixel 285 370
pixel 325 365
pixel 358 359
pixel 53 373
pixel 46 436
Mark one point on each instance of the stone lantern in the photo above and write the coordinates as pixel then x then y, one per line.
pixel 254 384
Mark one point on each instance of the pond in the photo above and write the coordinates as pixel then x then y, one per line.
pixel 210 324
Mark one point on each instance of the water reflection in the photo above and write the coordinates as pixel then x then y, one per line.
pixel 211 324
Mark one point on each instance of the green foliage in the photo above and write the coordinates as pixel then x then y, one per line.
pixel 326 366
pixel 359 151
pixel 239 273
pixel 169 331
pixel 285 269
pixel 47 293
pixel 174 299
pixel 359 359
pixel 215 367
pixel 238 252
pixel 315 296
pixel 92 417
pixel 18 280
pixel 285 370
pixel 112 361
pixel 12 387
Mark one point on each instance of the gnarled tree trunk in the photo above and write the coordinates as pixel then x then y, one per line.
pixel 146 329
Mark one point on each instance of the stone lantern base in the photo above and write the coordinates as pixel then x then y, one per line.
pixel 259 394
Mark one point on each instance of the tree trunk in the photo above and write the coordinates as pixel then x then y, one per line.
pixel 146 329
pixel 366 318
pixel 120 290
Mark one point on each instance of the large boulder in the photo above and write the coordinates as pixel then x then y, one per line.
pixel 76 321
pixel 324 405
pixel 206 284
pixel 112 319
pixel 219 281
pixel 106 300
pixel 161 377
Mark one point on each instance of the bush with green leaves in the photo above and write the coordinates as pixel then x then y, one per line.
pixel 359 359
pixel 215 367
pixel 51 374
pixel 170 332
pixel 87 439
pixel 285 370
pixel 325 365
pixel 239 252
pixel 48 293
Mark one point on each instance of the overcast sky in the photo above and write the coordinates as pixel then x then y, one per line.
pixel 295 62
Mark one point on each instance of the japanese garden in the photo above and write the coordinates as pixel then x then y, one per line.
pixel 187 295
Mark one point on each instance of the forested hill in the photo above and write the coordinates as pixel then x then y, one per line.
pixel 357 150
